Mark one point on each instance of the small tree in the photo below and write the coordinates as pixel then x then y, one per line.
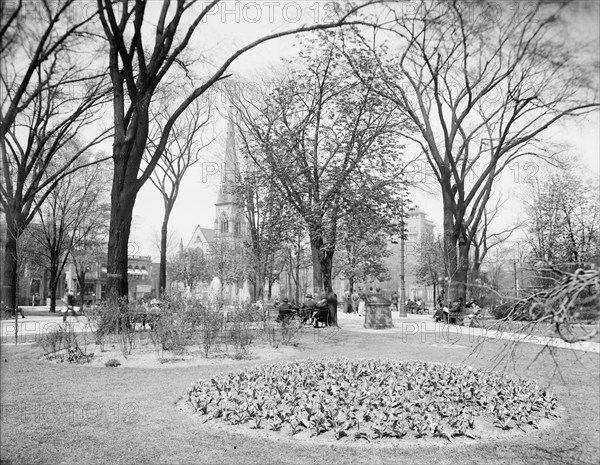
pixel 563 229
pixel 189 266
pixel 182 151
pixel 227 262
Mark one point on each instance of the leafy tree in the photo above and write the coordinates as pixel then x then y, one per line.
pixel 52 94
pixel 364 233
pixel 227 262
pixel 481 86
pixel 189 267
pixel 268 226
pixel 319 133
pixel 431 263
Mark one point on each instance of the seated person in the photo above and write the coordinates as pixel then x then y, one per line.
pixel 439 312
pixel 285 311
pixel 321 312
pixel 456 310
pixel 307 309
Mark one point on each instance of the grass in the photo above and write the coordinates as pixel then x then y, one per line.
pixel 66 413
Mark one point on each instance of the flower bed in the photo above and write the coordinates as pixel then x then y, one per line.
pixel 370 399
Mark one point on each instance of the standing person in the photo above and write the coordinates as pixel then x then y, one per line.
pixel 69 301
pixel 440 299
pixel 355 299
pixel 347 302
pixel 362 305
pixel 332 302
pixel 395 301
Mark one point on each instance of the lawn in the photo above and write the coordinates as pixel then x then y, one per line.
pixel 66 413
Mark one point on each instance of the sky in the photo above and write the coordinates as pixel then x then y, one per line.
pixel 232 26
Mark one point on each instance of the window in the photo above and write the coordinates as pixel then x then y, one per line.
pixel 237 226
pixel 223 224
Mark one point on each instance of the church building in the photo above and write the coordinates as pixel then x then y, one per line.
pixel 229 231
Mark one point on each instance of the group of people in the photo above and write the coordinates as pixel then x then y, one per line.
pixel 356 302
pixel 455 312
pixel 414 306
pixel 310 312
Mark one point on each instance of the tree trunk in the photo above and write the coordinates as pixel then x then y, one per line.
pixel 53 270
pixel 450 248
pixel 53 286
pixel 315 248
pixel 462 270
pixel 118 244
pixel 162 276
pixel 10 270
pixel 327 270
pixel 46 293
pixel 298 274
pixel 322 266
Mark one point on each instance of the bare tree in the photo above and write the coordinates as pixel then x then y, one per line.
pixel 563 222
pixel 483 240
pixel 52 93
pixel 182 150
pixel 141 58
pixel 482 85
pixel 66 220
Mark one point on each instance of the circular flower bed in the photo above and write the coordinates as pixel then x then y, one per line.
pixel 370 399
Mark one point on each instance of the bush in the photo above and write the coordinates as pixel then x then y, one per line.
pixel 185 322
pixel 61 343
pixel 114 318
pixel 501 311
pixel 370 399
pixel 243 325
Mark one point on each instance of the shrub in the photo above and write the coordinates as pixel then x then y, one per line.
pixel 113 318
pixel 61 343
pixel 370 399
pixel 185 322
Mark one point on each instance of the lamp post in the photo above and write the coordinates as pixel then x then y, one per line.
pixel 402 308
pixel 402 303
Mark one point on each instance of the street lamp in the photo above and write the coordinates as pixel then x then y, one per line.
pixel 402 308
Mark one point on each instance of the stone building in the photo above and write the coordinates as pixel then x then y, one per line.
pixel 225 240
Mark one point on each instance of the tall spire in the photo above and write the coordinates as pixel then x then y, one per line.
pixel 229 167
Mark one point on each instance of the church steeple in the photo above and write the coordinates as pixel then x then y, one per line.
pixel 229 168
pixel 229 219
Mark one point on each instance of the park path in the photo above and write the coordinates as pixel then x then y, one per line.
pixel 424 325
pixel 430 331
